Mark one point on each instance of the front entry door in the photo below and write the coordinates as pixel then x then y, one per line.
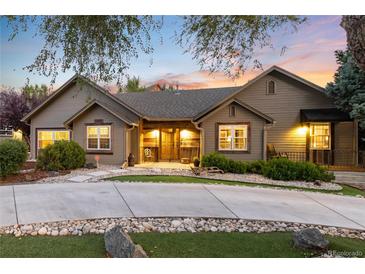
pixel 168 145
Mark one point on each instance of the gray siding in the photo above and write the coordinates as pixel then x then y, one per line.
pixel 118 135
pixel 242 116
pixel 284 107
pixel 65 105
pixel 344 143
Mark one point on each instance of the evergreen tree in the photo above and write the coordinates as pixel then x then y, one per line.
pixel 348 87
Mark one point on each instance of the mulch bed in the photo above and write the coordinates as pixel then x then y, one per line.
pixel 29 177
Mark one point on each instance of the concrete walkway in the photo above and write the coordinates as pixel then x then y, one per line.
pixel 55 202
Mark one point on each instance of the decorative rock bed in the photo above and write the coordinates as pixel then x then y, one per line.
pixel 169 225
pixel 247 178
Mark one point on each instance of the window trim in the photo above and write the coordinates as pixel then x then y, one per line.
pixel 248 146
pixel 52 130
pixel 329 135
pixel 8 130
pixel 267 87
pixel 98 126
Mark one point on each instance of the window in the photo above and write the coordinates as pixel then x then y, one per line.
pixel 232 111
pixel 48 137
pixel 6 132
pixel 98 137
pixel 271 87
pixel 320 136
pixel 233 137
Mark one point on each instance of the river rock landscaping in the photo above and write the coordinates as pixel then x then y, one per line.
pixel 169 225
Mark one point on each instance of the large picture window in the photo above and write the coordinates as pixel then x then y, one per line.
pixel 98 138
pixel 320 136
pixel 233 137
pixel 48 137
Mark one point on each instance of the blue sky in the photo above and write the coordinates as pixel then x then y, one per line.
pixel 310 54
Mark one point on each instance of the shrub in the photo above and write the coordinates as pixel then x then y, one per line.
pixel 256 166
pixel 61 155
pixel 13 154
pixel 277 169
pixel 286 170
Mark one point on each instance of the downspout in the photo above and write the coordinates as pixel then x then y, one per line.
pixel 201 138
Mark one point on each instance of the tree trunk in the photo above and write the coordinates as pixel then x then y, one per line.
pixel 354 26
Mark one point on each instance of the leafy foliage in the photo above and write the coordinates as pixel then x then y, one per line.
pixel 277 169
pixel 348 87
pixel 228 43
pixel 133 85
pixel 61 155
pixel 13 154
pixel 98 47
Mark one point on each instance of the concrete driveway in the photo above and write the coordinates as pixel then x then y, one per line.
pixel 55 202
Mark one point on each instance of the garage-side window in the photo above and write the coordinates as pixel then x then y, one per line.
pixel 49 137
pixel 98 137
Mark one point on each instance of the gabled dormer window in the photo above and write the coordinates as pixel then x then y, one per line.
pixel 271 87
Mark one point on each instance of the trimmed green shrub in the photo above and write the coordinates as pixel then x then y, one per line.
pixel 277 169
pixel 286 170
pixel 61 155
pixel 13 154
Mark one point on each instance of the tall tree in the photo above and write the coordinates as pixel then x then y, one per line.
pixel 98 47
pixel 34 94
pixel 101 47
pixel 348 87
pixel 133 85
pixel 354 26
pixel 13 107
pixel 228 43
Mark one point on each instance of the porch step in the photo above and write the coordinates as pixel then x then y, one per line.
pixel 350 177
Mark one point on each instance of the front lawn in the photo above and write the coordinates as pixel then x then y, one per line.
pixel 346 190
pixel 87 246
pixel 233 245
pixel 172 245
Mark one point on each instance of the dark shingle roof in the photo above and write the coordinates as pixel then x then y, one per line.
pixel 178 104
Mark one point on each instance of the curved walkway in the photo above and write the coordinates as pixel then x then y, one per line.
pixel 25 204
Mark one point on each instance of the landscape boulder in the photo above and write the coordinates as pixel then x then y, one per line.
pixel 119 245
pixel 310 238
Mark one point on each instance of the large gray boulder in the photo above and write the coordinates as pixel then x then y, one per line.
pixel 310 238
pixel 119 245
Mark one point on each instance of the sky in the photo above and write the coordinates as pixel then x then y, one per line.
pixel 309 53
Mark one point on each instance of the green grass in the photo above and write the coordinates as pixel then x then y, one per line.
pixel 347 190
pixel 87 246
pixel 233 245
pixel 172 245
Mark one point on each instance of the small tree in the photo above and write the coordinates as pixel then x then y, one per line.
pixel 133 85
pixel 348 87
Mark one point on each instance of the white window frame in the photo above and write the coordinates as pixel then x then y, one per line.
pixel 53 134
pixel 98 137
pixel 232 128
pixel 6 132
pixel 329 135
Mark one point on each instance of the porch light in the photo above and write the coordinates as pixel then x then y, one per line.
pixel 302 130
pixel 155 133
pixel 185 134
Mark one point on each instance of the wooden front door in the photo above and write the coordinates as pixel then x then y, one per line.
pixel 169 144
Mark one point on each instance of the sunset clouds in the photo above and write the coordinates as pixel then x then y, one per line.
pixel 309 53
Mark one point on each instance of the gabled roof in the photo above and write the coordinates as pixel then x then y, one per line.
pixel 260 76
pixel 175 105
pixel 240 103
pixel 112 110
pixel 64 87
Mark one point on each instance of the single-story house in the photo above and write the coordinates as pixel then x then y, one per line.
pixel 276 112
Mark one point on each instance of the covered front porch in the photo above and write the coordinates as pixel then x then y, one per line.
pixel 177 141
